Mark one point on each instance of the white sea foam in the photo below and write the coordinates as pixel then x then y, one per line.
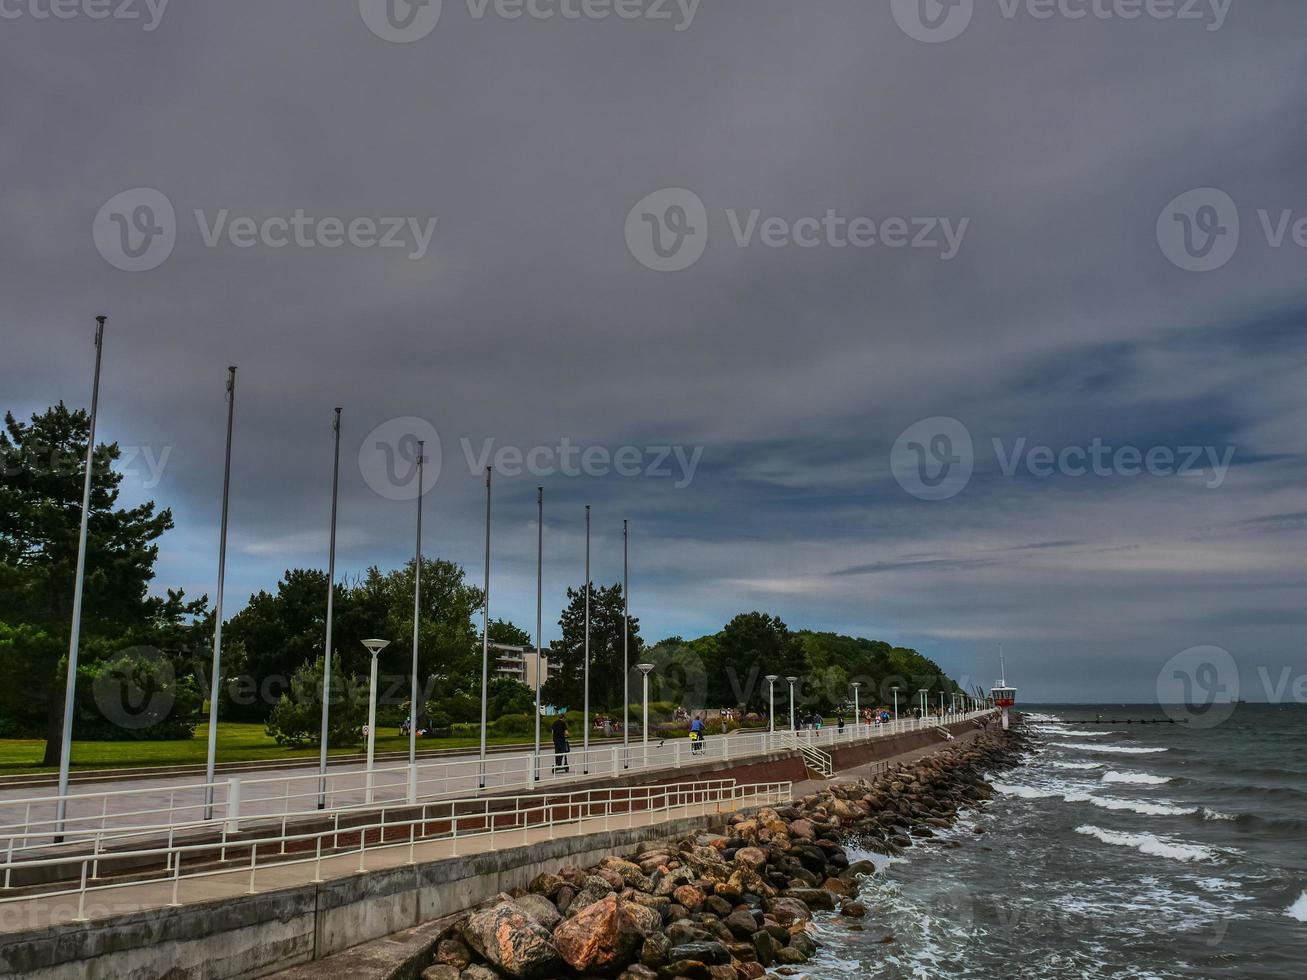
pixel 1079 765
pixel 1025 792
pixel 1134 806
pixel 1150 844
pixel 1121 749
pixel 1298 910
pixel 1140 778
pixel 1076 731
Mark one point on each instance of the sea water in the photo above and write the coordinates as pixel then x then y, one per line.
pixel 1131 851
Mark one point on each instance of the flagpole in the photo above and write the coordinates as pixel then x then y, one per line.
pixel 75 633
pixel 331 596
pixel 215 678
pixel 585 716
pixel 417 620
pixel 485 642
pixel 626 667
pixel 540 589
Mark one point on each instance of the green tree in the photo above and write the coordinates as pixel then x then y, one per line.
pixel 565 685
pixel 751 646
pixel 296 719
pixel 43 464
pixel 278 632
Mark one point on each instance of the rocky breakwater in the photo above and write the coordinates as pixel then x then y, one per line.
pixel 720 907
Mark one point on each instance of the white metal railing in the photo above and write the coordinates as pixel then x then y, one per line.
pixel 472 823
pixel 31 822
pixel 813 757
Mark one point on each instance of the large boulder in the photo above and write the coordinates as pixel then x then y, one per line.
pixel 601 938
pixel 541 909
pixel 514 942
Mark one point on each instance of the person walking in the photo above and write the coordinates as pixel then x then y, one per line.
pixel 561 745
pixel 697 731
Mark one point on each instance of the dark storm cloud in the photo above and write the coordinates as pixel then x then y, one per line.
pixel 526 319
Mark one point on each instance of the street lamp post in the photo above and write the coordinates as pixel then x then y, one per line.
pixel 856 715
pixel 374 647
pixel 925 710
pixel 771 702
pixel 792 680
pixel 644 669
pixel 331 601
pixel 70 685
pixel 896 703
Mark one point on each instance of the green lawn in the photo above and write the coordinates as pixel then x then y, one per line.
pixel 236 743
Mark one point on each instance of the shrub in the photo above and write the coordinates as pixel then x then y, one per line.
pixel 296 721
pixel 137 695
pixel 514 725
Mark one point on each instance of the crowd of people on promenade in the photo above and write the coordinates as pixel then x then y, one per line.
pixel 696 722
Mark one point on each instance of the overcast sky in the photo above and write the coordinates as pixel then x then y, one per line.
pixel 1047 286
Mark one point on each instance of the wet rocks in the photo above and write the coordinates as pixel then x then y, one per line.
pixel 512 941
pixel 600 937
pixel 730 906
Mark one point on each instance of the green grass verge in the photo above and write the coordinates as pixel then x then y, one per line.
pixel 237 742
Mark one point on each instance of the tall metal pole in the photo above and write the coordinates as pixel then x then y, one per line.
pixel 75 634
pixel 215 678
pixel 331 605
pixel 485 642
pixel 585 715
pixel 417 621
pixel 626 630
pixel 540 592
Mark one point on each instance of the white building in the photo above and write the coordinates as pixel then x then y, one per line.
pixel 520 663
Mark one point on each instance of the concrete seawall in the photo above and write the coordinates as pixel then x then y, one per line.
pixel 255 935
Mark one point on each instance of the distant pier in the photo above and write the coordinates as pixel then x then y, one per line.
pixel 1124 721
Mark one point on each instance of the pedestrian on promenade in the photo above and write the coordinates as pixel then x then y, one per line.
pixel 561 744
pixel 697 731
